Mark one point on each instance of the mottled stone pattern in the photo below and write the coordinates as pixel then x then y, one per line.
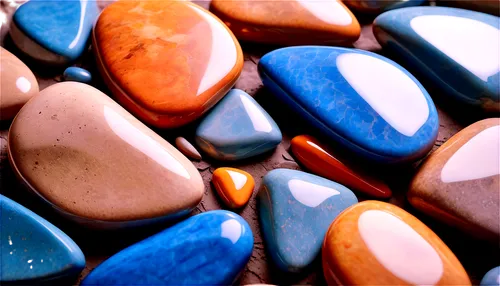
pixel 207 249
pixel 492 277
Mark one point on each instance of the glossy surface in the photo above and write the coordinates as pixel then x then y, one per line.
pixel 492 277
pixel 376 243
pixel 289 22
pixel 186 254
pixel 54 31
pixel 319 159
pixel 377 6
pixel 234 186
pixel 32 249
pixel 470 160
pixel 96 163
pixel 362 100
pixel 187 148
pixel 490 6
pixel 296 209
pixel 455 49
pixel 167 62
pixel 17 85
pixel 237 128
pixel 77 74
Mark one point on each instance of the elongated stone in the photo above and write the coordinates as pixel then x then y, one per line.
pixel 376 7
pixel 96 163
pixel 77 74
pixel 187 148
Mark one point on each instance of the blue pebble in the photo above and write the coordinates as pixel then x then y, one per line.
pixel 211 248
pixel 359 99
pixel 32 249
pixel 77 74
pixel 237 128
pixel 457 50
pixel 296 209
pixel 491 278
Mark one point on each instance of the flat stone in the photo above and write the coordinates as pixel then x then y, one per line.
pixel 97 164
pixel 455 49
pixel 167 62
pixel 376 243
pixel 53 32
pixel 77 74
pixel 293 22
pixel 211 248
pixel 296 209
pixel 492 277
pixel 377 7
pixel 470 160
pixel 359 99
pixel 18 84
pixel 187 148
pixel 237 128
pixel 319 159
pixel 234 186
pixel 32 249
pixel 490 7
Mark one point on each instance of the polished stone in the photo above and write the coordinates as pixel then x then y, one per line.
pixel 296 22
pixel 211 248
pixel 470 160
pixel 234 186
pixel 97 164
pixel 77 74
pixel 320 159
pixel 167 62
pixel 378 6
pixel 485 6
pixel 359 99
pixel 53 31
pixel 296 209
pixel 17 85
pixel 187 148
pixel 455 49
pixel 237 128
pixel 32 249
pixel 376 243
pixel 491 278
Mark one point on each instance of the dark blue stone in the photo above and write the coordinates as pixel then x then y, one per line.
pixel 211 248
pixel 77 74
pixel 492 277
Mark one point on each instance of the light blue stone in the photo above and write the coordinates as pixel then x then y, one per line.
pixel 211 248
pixel 399 124
pixel 237 128
pixel 455 49
pixel 296 209
pixel 77 74
pixel 492 277
pixel 61 27
pixel 32 249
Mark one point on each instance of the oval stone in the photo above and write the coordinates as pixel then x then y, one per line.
pixel 491 278
pixel 18 84
pixel 33 250
pixel 77 74
pixel 359 99
pixel 470 160
pixel 455 49
pixel 376 243
pixel 211 248
pixel 376 6
pixel 167 62
pixel 94 162
pixel 187 148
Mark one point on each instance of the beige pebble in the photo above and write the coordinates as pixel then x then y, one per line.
pixel 187 148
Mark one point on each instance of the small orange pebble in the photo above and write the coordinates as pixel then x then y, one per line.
pixel 234 186
pixel 376 243
pixel 320 160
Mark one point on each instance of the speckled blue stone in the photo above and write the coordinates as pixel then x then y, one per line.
pixel 60 26
pixel 293 231
pixel 77 74
pixel 32 249
pixel 394 32
pixel 307 79
pixel 211 248
pixel 492 277
pixel 231 131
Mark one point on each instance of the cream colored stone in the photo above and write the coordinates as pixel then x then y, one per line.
pixel 187 148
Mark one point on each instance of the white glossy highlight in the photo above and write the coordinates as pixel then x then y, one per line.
pixel 145 144
pixel 23 84
pixel 320 149
pixel 329 11
pixel 231 229
pixel 387 89
pixel 472 44
pixel 223 52
pixel 259 120
pixel 83 7
pixel 399 248
pixel 310 194
pixel 239 179
pixel 478 158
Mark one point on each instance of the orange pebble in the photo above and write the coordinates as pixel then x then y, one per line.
pixel 234 186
